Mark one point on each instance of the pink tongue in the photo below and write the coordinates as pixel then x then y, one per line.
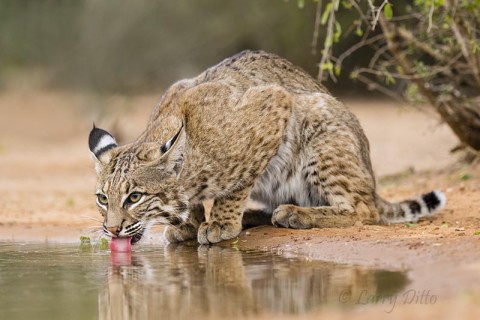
pixel 121 244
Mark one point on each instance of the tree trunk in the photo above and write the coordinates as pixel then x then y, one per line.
pixel 463 117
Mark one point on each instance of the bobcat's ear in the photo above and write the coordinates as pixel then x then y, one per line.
pixel 172 151
pixel 171 142
pixel 101 143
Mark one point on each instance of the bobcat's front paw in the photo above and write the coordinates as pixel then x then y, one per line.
pixel 214 231
pixel 181 233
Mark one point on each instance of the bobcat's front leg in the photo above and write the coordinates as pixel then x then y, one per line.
pixel 225 219
pixel 188 229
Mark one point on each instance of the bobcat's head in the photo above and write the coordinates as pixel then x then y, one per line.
pixel 137 183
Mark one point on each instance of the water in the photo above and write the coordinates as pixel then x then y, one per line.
pixel 51 281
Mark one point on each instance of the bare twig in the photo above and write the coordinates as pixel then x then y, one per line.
pixel 409 37
pixel 374 85
pixel 430 16
pixel 406 17
pixel 378 53
pixel 318 16
pixel 376 12
pixel 360 12
pixel 327 50
pixel 357 46
pixel 412 75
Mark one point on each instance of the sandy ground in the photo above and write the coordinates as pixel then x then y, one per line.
pixel 47 183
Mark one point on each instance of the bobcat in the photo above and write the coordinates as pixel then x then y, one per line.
pixel 252 127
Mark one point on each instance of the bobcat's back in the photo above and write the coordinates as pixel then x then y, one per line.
pixel 255 68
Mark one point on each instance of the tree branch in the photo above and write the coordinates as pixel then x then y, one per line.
pixel 409 37
pixel 464 45
pixel 357 46
pixel 318 16
pixel 373 85
pixel 327 50
pixel 376 12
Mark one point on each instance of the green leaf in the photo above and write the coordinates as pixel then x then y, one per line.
pixel 475 46
pixel 347 5
pixel 387 11
pixel 338 32
pixel 359 31
pixel 338 70
pixel 325 14
pixel 301 3
pixel 466 176
pixel 389 79
pixel 327 66
pixel 336 4
pixel 476 233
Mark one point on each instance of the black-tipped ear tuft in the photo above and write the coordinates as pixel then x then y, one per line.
pixel 100 141
pixel 170 142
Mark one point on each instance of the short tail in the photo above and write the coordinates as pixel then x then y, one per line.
pixel 411 210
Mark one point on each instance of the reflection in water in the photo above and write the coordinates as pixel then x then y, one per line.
pixel 175 282
pixel 219 282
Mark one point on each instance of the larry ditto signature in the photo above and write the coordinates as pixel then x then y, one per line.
pixel 407 297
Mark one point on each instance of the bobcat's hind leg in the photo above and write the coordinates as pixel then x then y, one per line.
pixel 295 217
pixel 188 229
pixel 343 183
pixel 343 208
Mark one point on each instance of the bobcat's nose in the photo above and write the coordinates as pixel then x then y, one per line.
pixel 114 230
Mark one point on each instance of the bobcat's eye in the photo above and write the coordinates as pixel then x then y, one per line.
pixel 134 197
pixel 102 199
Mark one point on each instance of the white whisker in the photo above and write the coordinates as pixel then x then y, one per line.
pixel 91 218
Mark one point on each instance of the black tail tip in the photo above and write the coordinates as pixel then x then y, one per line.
pixel 434 200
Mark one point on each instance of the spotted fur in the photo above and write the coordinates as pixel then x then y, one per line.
pixel 252 127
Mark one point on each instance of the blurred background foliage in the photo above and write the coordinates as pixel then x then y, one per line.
pixel 134 47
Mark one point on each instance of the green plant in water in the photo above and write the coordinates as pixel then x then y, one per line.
pixel 84 240
pixel 85 244
pixel 103 244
